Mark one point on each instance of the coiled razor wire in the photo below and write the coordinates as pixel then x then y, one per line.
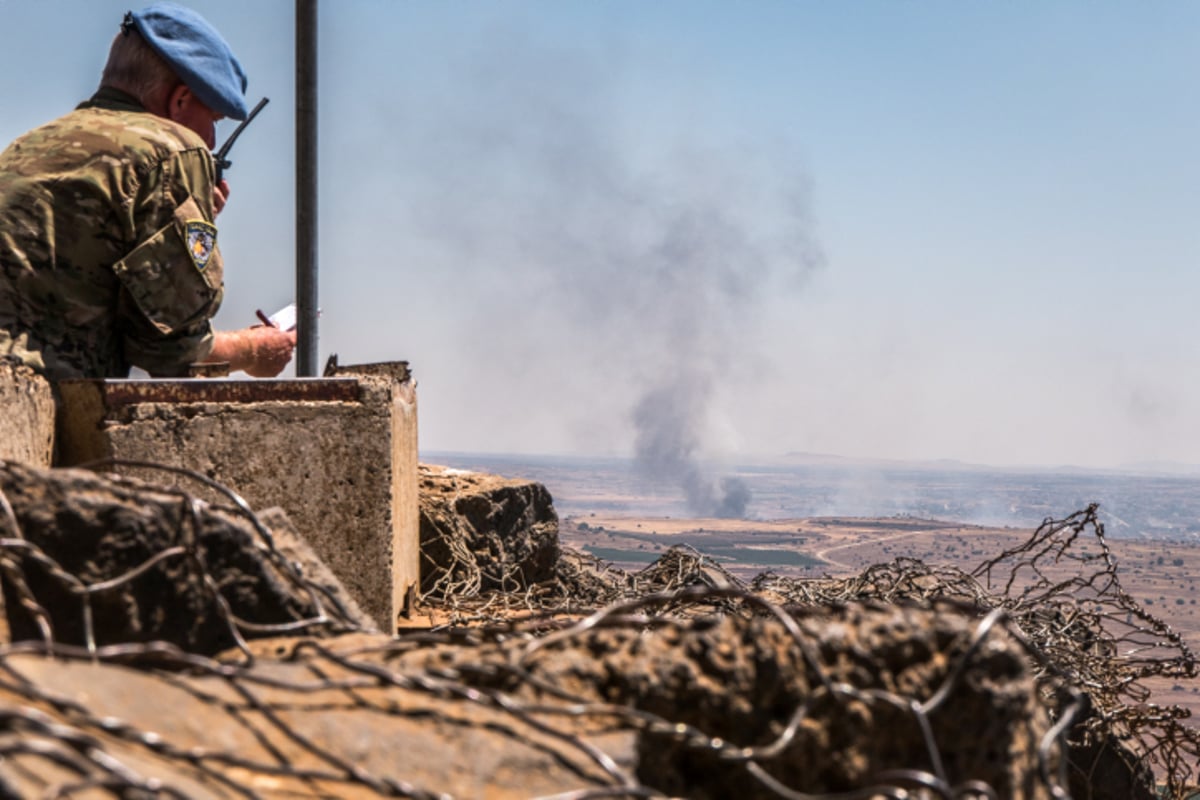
pixel 1087 638
pixel 13 547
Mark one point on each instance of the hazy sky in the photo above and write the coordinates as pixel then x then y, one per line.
pixel 887 229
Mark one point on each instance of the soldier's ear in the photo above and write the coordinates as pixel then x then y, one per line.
pixel 178 101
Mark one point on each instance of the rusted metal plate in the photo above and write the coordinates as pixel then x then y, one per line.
pixel 398 371
pixel 200 390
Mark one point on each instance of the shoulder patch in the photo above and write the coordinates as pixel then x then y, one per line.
pixel 201 241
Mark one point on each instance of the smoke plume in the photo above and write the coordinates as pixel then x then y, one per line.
pixel 622 271
pixel 667 423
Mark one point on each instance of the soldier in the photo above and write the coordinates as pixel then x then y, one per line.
pixel 108 247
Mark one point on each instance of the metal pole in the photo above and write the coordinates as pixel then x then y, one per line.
pixel 306 188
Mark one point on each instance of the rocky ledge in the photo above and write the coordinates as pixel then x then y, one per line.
pixel 120 595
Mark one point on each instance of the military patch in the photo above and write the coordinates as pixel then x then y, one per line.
pixel 201 241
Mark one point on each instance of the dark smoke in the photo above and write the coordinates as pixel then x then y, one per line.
pixel 629 282
pixel 711 267
pixel 667 445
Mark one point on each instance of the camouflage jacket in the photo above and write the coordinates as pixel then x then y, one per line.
pixel 108 253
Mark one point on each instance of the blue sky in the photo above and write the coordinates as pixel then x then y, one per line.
pixel 879 229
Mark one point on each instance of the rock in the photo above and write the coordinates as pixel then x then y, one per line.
pixel 518 717
pixel 742 679
pixel 162 566
pixel 26 415
pixel 280 729
pixel 1103 768
pixel 482 532
pixel 720 699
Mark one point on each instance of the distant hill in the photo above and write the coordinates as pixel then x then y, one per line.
pixel 799 458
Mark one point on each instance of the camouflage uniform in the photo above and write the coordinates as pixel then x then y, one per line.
pixel 108 252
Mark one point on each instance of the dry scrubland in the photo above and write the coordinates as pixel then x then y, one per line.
pixel 1160 575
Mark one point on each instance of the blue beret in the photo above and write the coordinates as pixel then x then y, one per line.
pixel 197 53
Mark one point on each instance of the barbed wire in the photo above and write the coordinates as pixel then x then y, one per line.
pixel 1071 602
pixel 1089 644
pixel 1061 588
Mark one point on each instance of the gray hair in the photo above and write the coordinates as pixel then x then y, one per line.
pixel 135 68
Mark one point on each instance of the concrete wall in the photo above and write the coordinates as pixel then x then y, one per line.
pixel 406 502
pixel 338 455
pixel 26 416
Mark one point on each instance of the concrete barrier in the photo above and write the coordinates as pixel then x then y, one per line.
pixel 26 415
pixel 339 455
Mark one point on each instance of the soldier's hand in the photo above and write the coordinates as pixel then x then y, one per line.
pixel 268 350
pixel 220 196
pixel 262 351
